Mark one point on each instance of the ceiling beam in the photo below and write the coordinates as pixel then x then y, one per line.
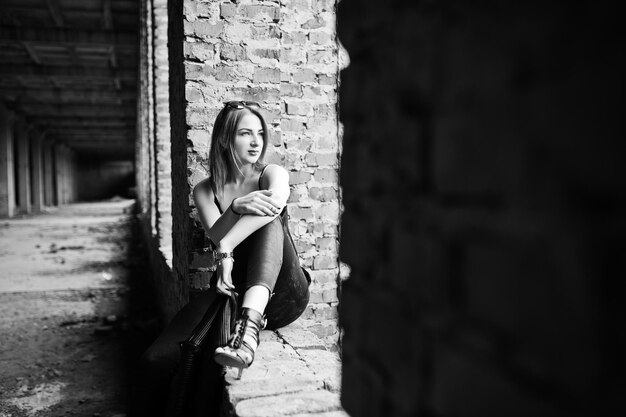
pixel 61 60
pixel 21 101
pixel 108 15
pixel 60 36
pixel 75 110
pixel 102 126
pixel 54 81
pixel 52 94
pixel 10 16
pixel 87 121
pixel 55 12
pixel 101 148
pixel 71 50
pixel 113 109
pixel 112 57
pixel 31 52
pixel 107 154
pixel 96 143
pixel 112 155
pixel 93 140
pixel 19 80
pixel 9 70
pixel 90 142
pixel 112 131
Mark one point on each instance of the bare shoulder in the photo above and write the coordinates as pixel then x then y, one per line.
pixel 276 170
pixel 203 189
pixel 274 174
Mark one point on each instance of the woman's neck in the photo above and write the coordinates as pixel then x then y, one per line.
pixel 244 173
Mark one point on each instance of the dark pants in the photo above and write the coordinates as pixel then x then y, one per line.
pixel 267 257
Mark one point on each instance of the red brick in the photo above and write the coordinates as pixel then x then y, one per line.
pixel 319 57
pixel 326 244
pixel 295 38
pixel 301 108
pixel 325 175
pixel 228 10
pixel 266 53
pixel 314 23
pixel 324 262
pixel 320 38
pixel 232 52
pixel 325 79
pixel 300 213
pixel 291 125
pixel 203 28
pixel 323 193
pixel 299 177
pixel 261 12
pixel 290 90
pixel 304 76
pixel 266 75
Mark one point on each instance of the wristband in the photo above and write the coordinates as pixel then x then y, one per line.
pixel 219 256
pixel 232 208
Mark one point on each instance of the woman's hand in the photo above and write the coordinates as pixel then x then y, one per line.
pixel 259 203
pixel 224 283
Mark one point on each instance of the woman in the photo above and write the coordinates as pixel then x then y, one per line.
pixel 242 207
pixel 252 229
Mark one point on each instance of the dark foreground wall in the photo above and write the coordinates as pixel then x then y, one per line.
pixel 485 191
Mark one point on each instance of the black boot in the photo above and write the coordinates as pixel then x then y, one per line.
pixel 239 352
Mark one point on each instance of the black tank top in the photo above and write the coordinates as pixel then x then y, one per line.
pixel 217 203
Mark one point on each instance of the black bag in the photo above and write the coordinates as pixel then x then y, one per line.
pixel 222 313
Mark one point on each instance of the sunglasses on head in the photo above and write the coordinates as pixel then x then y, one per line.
pixel 242 104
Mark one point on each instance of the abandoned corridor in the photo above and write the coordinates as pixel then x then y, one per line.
pixel 68 95
pixel 75 310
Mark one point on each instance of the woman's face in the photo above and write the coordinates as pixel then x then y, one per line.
pixel 248 139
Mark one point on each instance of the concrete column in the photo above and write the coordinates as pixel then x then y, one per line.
pixel 7 181
pixel 69 176
pixel 37 173
pixel 48 179
pixel 71 179
pixel 66 179
pixel 59 163
pixel 23 169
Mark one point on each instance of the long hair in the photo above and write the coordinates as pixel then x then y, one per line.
pixel 222 163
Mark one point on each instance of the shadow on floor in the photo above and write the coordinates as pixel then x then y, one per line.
pixel 76 311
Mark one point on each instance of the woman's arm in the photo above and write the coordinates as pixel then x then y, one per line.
pixel 215 224
pixel 276 179
pixel 257 204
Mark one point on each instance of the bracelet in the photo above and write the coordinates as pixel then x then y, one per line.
pixel 233 208
pixel 219 256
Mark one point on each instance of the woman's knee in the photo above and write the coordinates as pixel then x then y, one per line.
pixel 275 227
pixel 269 236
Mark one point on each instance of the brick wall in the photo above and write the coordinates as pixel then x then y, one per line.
pixel 178 287
pixel 163 164
pixel 157 156
pixel 484 209
pixel 283 55
pixel 142 153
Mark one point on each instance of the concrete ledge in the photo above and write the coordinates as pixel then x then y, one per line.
pixel 293 374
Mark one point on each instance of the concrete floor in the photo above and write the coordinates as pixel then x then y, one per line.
pixel 75 310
